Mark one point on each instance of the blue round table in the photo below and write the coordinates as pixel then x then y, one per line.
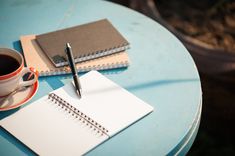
pixel 161 72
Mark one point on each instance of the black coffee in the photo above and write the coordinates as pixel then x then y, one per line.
pixel 8 64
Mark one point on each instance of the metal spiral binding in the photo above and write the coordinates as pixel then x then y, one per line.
pixel 84 69
pixel 78 114
pixel 96 54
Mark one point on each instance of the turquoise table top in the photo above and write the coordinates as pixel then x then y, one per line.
pixel 161 72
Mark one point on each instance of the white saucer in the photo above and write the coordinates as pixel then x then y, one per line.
pixel 19 98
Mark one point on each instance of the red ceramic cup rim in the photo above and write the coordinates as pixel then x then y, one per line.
pixel 17 56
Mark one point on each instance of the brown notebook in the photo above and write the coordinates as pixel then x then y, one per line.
pixel 36 58
pixel 88 41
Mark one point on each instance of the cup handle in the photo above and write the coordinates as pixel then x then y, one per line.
pixel 28 82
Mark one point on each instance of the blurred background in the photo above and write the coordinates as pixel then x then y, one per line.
pixel 207 29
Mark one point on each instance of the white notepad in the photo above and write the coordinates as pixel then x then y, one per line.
pixel 61 124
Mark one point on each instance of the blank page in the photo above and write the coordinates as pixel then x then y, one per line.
pixel 50 129
pixel 106 102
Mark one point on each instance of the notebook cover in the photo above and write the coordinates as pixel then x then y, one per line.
pixel 70 126
pixel 36 58
pixel 88 41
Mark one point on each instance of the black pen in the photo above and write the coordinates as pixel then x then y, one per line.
pixel 73 69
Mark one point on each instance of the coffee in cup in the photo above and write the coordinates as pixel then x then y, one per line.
pixel 12 71
pixel 8 64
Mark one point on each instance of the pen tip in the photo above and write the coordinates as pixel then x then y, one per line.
pixel 79 94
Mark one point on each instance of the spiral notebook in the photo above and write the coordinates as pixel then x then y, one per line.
pixel 61 124
pixel 89 41
pixel 35 57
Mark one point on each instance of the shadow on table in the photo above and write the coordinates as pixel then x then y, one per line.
pixel 10 139
pixel 159 83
